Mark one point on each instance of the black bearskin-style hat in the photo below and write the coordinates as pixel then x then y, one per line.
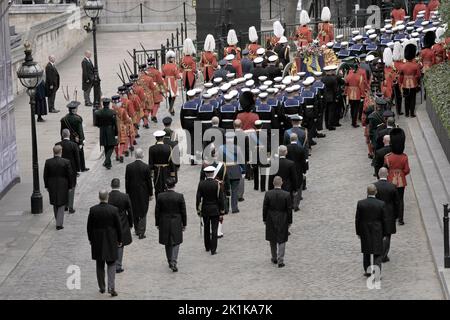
pixel 397 141
pixel 410 51
pixel 429 39
pixel 247 101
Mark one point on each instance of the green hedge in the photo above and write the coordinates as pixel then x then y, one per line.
pixel 437 82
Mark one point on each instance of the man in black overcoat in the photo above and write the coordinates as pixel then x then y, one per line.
pixel 138 185
pixel 70 152
pixel 287 172
pixel 122 202
pixel 105 236
pixel 170 219
pixel 51 83
pixel 371 222
pixel 378 159
pixel 58 179
pixel 106 120
pixel 87 77
pixel 387 192
pixel 277 216
pixel 210 206
pixel 298 154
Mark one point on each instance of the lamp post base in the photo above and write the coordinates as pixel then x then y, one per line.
pixel 36 203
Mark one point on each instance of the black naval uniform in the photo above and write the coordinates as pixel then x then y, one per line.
pixel 106 120
pixel 74 123
pixel 160 162
pixel 330 100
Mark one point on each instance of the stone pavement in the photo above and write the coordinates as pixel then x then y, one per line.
pixel 323 259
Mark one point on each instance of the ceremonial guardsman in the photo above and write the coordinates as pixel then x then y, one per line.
pixel 278 32
pixel 398 13
pixel 409 79
pixel 171 74
pixel 160 162
pixel 131 133
pixel 433 5
pixel 209 59
pixel 304 33
pixel 420 6
pixel 354 90
pixel 159 88
pixel 146 82
pixel 188 65
pixel 106 120
pixel 227 113
pixel 397 56
pixel 439 47
pixel 206 112
pixel 282 51
pixel 387 87
pixel 236 63
pixel 259 141
pixel 427 56
pixel 258 71
pixel 123 121
pixel 232 41
pixel 326 29
pixel 188 116
pixel 331 87
pixel 134 107
pixel 139 90
pixel 74 123
pixel 253 46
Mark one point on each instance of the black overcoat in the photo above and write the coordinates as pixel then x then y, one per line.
pixel 58 180
pixel 277 214
pixel 87 74
pixel 138 185
pixel 122 202
pixel 170 217
pixel 51 79
pixel 287 171
pixel 298 155
pixel 104 232
pixel 106 120
pixel 387 192
pixel 71 152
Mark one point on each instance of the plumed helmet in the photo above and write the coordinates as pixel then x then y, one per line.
pixel 304 17
pixel 326 14
pixel 387 57
pixel 188 47
pixel 252 34
pixel 210 43
pixel 429 39
pixel 232 37
pixel 247 101
pixel 397 140
pixel 397 54
pixel 278 29
pixel 410 51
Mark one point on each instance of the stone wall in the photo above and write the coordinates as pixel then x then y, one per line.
pixel 9 171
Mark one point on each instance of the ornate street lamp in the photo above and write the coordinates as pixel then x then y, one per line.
pixel 93 9
pixel 30 75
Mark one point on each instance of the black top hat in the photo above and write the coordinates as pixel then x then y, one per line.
pixel 410 51
pixel 106 102
pixel 247 101
pixel 429 39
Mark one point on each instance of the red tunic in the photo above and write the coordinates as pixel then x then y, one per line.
pixel 420 7
pixel 398 167
pixel 140 92
pixel 272 42
pixel 410 74
pixel 366 82
pixel 248 120
pixel 122 120
pixel 354 86
pixel 171 74
pixel 388 83
pixel 304 36
pixel 189 68
pixel 149 87
pixel 427 58
pixel 208 64
pixel 439 52
pixel 398 15
pixel 326 33
pixel 159 87
pixel 433 5
pixel 237 65
pixel 447 45
pixel 228 50
pixel 252 48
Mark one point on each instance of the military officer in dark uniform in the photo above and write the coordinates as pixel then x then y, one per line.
pixel 160 162
pixel 310 110
pixel 74 123
pixel 273 70
pixel 330 81
pixel 171 139
pixel 188 116
pixel 106 120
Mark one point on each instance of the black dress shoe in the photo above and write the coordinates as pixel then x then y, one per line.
pixel 367 274
pixel 241 199
pixel 321 135
pixel 401 223
pixel 86 169
pixel 401 113
pixel 137 136
pixel 146 126
pixel 59 228
pixel 296 209
pixel 88 104
pixel 313 143
pixel 274 261
pixel 338 125
pixel 413 116
pixel 174 268
pixel 154 119
pixel 66 209
pixel 331 128
pixel 142 236
pixel 121 159
pixel 355 125
pixel 126 153
pixel 207 249
pixel 54 111
pixel 71 210
pixel 40 120
pixel 213 253
pixel 386 260
pixel 117 158
pixel 120 270
pixel 281 265
pixel 101 291
pixel 235 211
pixel 220 237
pixel 113 293
pixel 134 142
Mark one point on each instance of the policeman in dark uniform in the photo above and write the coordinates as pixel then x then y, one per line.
pixel 160 162
pixel 188 116
pixel 74 123
pixel 106 120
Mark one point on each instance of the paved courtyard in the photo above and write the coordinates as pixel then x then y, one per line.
pixel 323 259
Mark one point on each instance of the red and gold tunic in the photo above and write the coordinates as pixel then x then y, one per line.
pixel 122 123
pixel 189 68
pixel 126 106
pixel 208 63
pixel 228 50
pixel 354 86
pixel 304 36
pixel 171 74
pixel 159 86
pixel 433 5
pixel 146 82
pixel 427 59
pixel 366 82
pixel 420 7
pixel 252 48
pixel 388 83
pixel 398 15
pixel 237 65
pixel 398 167
pixel 439 52
pixel 326 33
pixel 410 74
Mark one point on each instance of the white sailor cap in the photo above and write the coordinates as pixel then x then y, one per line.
pixel 218 80
pixel 296 117
pixel 263 95
pixel 330 44
pixel 394 29
pixel 159 134
pixel 273 58
pixel 390 31
pixel 410 28
pixel 248 76
pixel 263 88
pixel 228 97
pixel 268 83
pixel 209 169
pixel 330 67
pixel 301 74
pixel 419 29
pixel 422 12
pixel 225 87
pixel 387 20
pixel 340 36
pixel 425 23
pixel 358 38
pixel 213 91
pixel 234 93
pixel 388 26
pixel 287 80
pixel 296 87
pixel 240 80
pixel 420 15
pixel 208 85
pixel 370 57
pixel 259 122
pixel 373 36
pixel 344 43
pixel 197 90
pixel 250 83
pixel 401 27
pixel 391 44
pixel 397 23
pixel 317 73
pixel 415 34
pixel 278 79
pixel 191 93
pixel 295 78
pixel 355 32
pixel 411 23
pixel 231 75
pixel 262 78
pixel 383 30
pixel 258 60
pixel 245 89
pixel 229 57
pixel 308 81
pixel 271 90
pixel 234 82
pixel 283 39
pixel 371 31
pixel 289 89
pixel 260 51
pixel 433 29
pixel 207 95
pixel 368 27
pixel 255 91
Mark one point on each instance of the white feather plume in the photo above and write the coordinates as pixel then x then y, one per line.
pixel 387 57
pixel 188 47
pixel 326 14
pixel 278 29
pixel 439 34
pixel 252 34
pixel 210 43
pixel 304 17
pixel 232 37
pixel 398 52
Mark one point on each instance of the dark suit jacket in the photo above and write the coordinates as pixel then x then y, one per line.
pixel 104 232
pixel 170 217
pixel 277 214
pixel 71 152
pixel 378 159
pixel 298 154
pixel 288 172
pixel 371 225
pixel 122 202
pixel 210 197
pixel 58 180
pixel 138 185
pixel 88 73
pixel 106 120
pixel 51 79
pixel 387 192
